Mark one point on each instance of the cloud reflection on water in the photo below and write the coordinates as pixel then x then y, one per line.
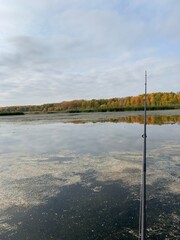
pixel 31 180
pixel 32 174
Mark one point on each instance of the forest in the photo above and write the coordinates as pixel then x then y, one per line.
pixel 155 101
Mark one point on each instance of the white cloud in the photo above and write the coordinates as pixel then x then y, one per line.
pixel 60 50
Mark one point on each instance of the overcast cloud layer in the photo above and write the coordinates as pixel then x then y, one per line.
pixel 56 50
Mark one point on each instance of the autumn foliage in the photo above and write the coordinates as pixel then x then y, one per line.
pixel 154 101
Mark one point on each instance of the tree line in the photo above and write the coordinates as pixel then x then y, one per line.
pixel 166 100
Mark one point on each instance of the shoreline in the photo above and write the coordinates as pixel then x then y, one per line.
pixel 85 117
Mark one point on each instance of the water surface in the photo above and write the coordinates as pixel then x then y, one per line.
pixel 68 181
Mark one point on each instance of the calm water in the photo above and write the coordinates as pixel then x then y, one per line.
pixel 69 181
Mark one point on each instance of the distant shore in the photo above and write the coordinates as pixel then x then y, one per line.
pixel 85 117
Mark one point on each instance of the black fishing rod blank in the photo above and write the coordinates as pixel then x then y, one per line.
pixel 142 227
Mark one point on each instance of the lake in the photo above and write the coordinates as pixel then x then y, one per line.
pixel 80 180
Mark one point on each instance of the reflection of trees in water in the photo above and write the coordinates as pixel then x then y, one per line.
pixel 151 120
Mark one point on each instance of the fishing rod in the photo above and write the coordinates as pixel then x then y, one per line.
pixel 142 223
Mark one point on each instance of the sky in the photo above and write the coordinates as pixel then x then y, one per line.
pixel 60 50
